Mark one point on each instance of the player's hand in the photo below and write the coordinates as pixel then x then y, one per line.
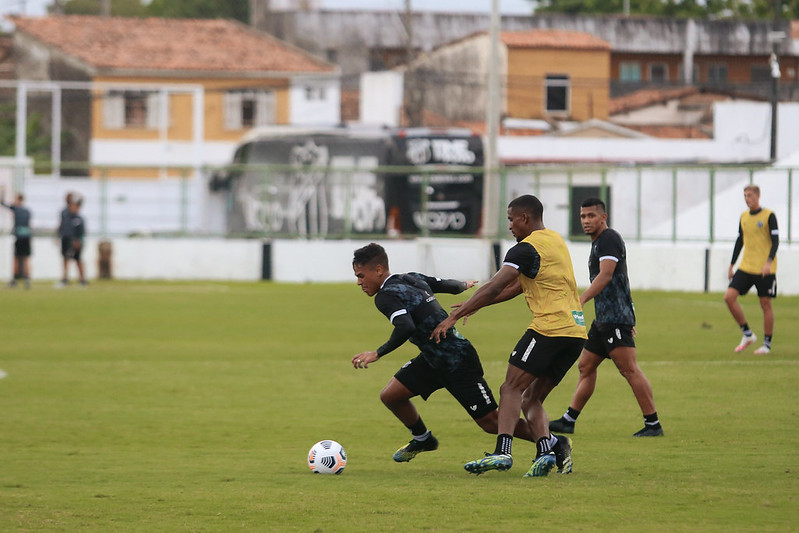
pixel 363 359
pixel 471 283
pixel 443 327
pixel 730 273
pixel 635 333
pixel 766 269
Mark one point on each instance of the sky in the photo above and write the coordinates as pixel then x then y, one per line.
pixel 508 7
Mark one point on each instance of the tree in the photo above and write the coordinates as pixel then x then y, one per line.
pixel 201 9
pixel 119 8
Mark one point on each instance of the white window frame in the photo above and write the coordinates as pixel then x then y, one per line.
pixel 265 108
pixel 114 109
pixel 555 81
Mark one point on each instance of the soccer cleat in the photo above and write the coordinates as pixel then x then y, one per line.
pixel 492 461
pixel 763 350
pixel 563 454
pixel 649 432
pixel 542 465
pixel 561 425
pixel 746 341
pixel 415 447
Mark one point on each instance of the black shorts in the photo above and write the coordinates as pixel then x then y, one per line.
pixel 67 249
pixel 605 338
pixel 544 356
pixel 766 285
pixel 22 247
pixel 466 384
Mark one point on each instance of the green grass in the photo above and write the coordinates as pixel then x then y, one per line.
pixel 191 407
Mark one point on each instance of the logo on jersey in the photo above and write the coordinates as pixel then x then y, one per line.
pixel 579 319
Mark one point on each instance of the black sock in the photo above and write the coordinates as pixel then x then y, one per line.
pixel 418 428
pixel 544 445
pixel 504 444
pixel 746 330
pixel 651 421
pixel 571 414
pixel 767 341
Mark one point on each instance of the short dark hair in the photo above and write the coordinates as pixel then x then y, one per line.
pixel 529 204
pixel 591 202
pixel 369 254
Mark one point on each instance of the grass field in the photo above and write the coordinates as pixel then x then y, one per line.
pixel 191 407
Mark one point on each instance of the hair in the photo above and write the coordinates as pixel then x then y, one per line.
pixel 591 202
pixel 752 187
pixel 370 254
pixel 20 197
pixel 529 204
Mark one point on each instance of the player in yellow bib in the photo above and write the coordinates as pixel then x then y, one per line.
pixel 759 238
pixel 540 267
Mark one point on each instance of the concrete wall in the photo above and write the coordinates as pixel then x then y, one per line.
pixel 671 267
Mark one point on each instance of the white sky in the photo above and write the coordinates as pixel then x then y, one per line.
pixel 508 7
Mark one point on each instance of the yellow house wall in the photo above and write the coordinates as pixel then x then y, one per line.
pixel 588 71
pixel 180 109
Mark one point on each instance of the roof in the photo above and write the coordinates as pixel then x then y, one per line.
pixel 559 39
pixel 148 44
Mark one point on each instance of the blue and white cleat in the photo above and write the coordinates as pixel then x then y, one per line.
pixel 498 461
pixel 542 465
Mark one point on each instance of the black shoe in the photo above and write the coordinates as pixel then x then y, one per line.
pixel 561 425
pixel 563 454
pixel 649 432
pixel 415 447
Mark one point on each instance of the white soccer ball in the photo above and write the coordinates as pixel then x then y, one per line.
pixel 327 457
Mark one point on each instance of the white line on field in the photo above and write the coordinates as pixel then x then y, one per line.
pixel 2 374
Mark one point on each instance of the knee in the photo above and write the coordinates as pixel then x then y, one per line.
pixel 489 423
pixel 730 296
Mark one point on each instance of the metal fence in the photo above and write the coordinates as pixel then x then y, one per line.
pixel 699 204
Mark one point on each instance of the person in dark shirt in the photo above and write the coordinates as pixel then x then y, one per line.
pixel 72 231
pixel 22 244
pixel 408 301
pixel 612 332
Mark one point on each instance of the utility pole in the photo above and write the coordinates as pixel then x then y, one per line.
pixel 493 109
pixel 775 37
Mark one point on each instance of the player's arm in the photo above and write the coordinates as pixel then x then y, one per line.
pixel 607 267
pixel 403 329
pixel 449 286
pixel 775 243
pixel 736 251
pixel 485 295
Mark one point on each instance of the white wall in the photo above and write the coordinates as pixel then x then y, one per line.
pixel 323 112
pixel 381 95
pixel 666 266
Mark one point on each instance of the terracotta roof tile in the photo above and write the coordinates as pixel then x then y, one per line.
pixel 553 39
pixel 168 44
pixel 646 97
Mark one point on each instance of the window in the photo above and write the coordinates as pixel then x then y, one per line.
pixel 331 55
pixel 557 93
pixel 131 109
pixel 630 71
pixel 659 72
pixel 760 73
pixel 249 109
pixel 717 73
pixel 314 93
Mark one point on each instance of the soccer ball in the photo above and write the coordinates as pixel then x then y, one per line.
pixel 327 457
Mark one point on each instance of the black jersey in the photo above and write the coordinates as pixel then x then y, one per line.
pixel 408 301
pixel 614 304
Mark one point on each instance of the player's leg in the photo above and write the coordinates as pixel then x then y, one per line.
pixel 740 284
pixel 415 378
pixel 586 383
pixel 624 358
pixel 490 424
